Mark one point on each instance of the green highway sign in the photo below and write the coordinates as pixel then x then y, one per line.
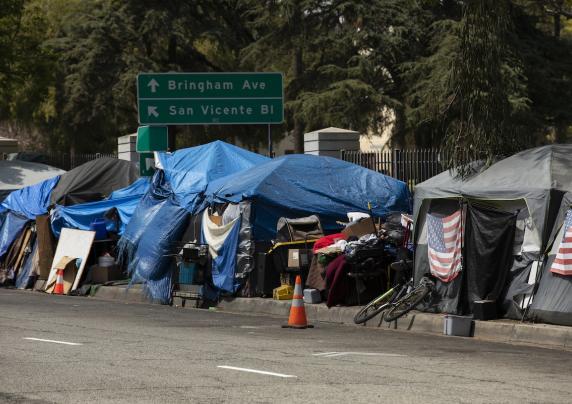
pixel 152 138
pixel 146 164
pixel 210 98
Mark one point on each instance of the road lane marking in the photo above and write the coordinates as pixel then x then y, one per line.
pixel 337 354
pixel 261 372
pixel 53 341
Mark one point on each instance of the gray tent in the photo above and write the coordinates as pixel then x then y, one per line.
pixel 530 186
pixel 552 303
pixel 19 174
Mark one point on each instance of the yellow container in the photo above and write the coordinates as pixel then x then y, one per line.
pixel 284 292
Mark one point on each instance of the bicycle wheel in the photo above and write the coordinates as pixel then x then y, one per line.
pixel 407 303
pixel 374 307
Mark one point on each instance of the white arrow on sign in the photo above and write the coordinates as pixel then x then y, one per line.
pixel 152 110
pixel 153 84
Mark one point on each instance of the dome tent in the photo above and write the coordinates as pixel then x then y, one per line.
pixel 529 184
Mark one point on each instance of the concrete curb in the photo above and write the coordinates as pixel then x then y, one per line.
pixel 506 331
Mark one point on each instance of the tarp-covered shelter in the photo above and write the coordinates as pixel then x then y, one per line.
pixel 296 186
pixel 16 174
pixel 94 181
pixel 514 201
pixel 117 210
pixel 301 185
pixel 162 215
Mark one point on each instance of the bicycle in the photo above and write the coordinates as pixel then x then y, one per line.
pixel 400 299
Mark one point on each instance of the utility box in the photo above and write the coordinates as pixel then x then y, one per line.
pixel 8 146
pixel 127 148
pixel 330 141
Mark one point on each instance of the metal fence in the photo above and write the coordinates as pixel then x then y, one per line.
pixel 411 166
pixel 65 161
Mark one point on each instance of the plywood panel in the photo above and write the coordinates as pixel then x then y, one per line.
pixel 73 243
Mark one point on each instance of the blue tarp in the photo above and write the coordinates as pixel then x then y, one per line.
pixel 80 216
pixel 300 185
pixel 31 201
pixel 11 229
pixel 189 171
pixel 161 216
pixel 224 264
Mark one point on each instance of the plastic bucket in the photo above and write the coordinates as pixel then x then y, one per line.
pixel 106 261
pixel 187 272
pixel 98 226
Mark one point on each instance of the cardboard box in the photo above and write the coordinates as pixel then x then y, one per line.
pixel 360 227
pixel 299 257
pixel 105 274
pixel 68 265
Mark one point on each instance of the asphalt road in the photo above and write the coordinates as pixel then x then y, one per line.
pixel 137 353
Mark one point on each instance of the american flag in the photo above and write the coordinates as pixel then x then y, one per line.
pixel 445 242
pixel 563 262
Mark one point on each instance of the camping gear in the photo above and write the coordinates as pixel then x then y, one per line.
pixel 302 229
pixel 459 326
pixel 552 302
pixel 530 185
pixel 93 181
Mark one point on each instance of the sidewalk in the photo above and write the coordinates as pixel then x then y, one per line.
pixel 507 331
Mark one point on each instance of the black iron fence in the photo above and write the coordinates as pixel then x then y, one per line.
pixel 65 161
pixel 411 166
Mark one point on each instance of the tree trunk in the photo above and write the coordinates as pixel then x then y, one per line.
pixel 298 131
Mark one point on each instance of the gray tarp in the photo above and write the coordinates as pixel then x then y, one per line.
pixel 19 174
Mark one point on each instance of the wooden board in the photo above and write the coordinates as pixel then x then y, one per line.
pixel 73 243
pixel 46 246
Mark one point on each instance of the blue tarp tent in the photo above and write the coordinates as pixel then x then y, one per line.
pixel 301 185
pixel 21 206
pixel 161 216
pixel 189 171
pixel 31 201
pixel 81 216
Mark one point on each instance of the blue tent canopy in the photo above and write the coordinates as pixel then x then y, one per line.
pixel 81 216
pixel 31 201
pixel 160 218
pixel 301 184
pixel 189 171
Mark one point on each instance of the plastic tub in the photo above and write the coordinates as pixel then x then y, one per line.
pixel 98 226
pixel 106 261
pixel 459 326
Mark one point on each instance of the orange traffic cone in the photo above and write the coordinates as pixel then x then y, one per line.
pixel 297 317
pixel 59 287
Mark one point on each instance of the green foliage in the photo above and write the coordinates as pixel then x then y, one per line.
pixel 480 77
